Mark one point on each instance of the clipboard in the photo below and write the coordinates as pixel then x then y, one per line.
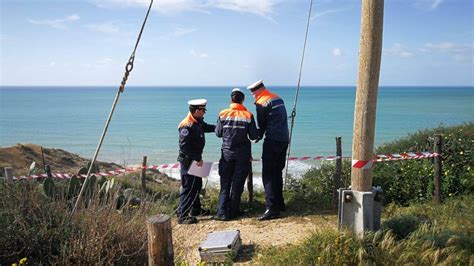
pixel 200 171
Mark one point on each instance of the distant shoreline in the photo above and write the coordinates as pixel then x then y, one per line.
pixel 231 86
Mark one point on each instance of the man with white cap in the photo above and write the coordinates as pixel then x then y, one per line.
pixel 191 144
pixel 273 124
pixel 235 125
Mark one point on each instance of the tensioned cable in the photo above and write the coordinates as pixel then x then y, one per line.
pixel 128 69
pixel 293 112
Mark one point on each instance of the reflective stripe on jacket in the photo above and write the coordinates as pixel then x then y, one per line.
pixel 236 126
pixel 271 116
pixel 191 139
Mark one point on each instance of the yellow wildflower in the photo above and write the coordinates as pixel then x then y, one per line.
pixel 23 261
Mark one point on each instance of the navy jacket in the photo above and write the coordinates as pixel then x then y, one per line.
pixel 191 139
pixel 236 126
pixel 271 116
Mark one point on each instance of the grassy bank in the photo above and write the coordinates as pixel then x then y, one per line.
pixel 422 234
pixel 35 220
pixel 110 229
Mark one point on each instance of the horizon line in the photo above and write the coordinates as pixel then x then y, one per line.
pixel 219 86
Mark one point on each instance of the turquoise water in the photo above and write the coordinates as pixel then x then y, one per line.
pixel 146 118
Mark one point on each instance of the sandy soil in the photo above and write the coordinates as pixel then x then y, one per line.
pixel 254 234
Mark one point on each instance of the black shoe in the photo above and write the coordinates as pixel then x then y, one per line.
pixel 220 217
pixel 236 215
pixel 187 220
pixel 269 215
pixel 202 212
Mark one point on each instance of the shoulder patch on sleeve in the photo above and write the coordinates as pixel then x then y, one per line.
pixel 184 132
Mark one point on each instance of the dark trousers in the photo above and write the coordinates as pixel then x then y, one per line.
pixel 273 162
pixel 232 178
pixel 189 196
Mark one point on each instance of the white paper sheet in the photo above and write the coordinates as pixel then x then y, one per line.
pixel 201 171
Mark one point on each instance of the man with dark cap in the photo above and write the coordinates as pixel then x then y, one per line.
pixel 273 123
pixel 191 144
pixel 235 126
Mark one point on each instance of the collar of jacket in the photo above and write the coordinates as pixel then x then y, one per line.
pixel 237 106
pixel 263 93
pixel 191 118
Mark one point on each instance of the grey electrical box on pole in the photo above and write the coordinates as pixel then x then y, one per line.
pixel 357 207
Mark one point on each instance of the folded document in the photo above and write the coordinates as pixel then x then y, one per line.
pixel 201 171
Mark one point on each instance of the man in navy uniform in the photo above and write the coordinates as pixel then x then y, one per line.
pixel 273 124
pixel 191 144
pixel 235 125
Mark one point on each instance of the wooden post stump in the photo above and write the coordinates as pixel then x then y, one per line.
pixel 160 241
pixel 143 176
pixel 8 173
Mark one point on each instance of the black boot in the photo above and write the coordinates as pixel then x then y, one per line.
pixel 269 215
pixel 201 212
pixel 187 220
pixel 220 217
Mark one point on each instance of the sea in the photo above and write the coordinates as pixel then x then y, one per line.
pixel 146 118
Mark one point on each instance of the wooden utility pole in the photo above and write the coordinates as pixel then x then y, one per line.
pixel 370 55
pixel 438 144
pixel 160 241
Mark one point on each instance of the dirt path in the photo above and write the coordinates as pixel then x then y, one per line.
pixel 254 234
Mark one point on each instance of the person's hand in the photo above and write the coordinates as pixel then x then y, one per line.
pixel 199 163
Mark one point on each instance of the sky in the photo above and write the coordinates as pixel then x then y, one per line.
pixel 230 42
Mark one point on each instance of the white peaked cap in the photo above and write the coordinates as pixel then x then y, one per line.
pixel 236 89
pixel 197 102
pixel 255 85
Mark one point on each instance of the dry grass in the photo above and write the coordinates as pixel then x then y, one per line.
pixel 42 229
pixel 445 237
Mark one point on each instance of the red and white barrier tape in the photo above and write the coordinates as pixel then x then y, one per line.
pixel 361 164
pixel 355 163
pixel 67 176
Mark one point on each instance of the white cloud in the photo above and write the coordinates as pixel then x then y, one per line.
pixel 197 54
pixel 327 12
pixel 337 51
pixel 263 8
pixel 100 63
pixel 398 50
pixel 178 32
pixel 161 6
pixel 104 27
pixel 428 5
pixel 52 64
pixel 55 23
pixel 458 52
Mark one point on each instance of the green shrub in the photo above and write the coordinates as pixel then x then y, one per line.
pixel 31 224
pixel 314 188
pixel 412 180
pixel 403 225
